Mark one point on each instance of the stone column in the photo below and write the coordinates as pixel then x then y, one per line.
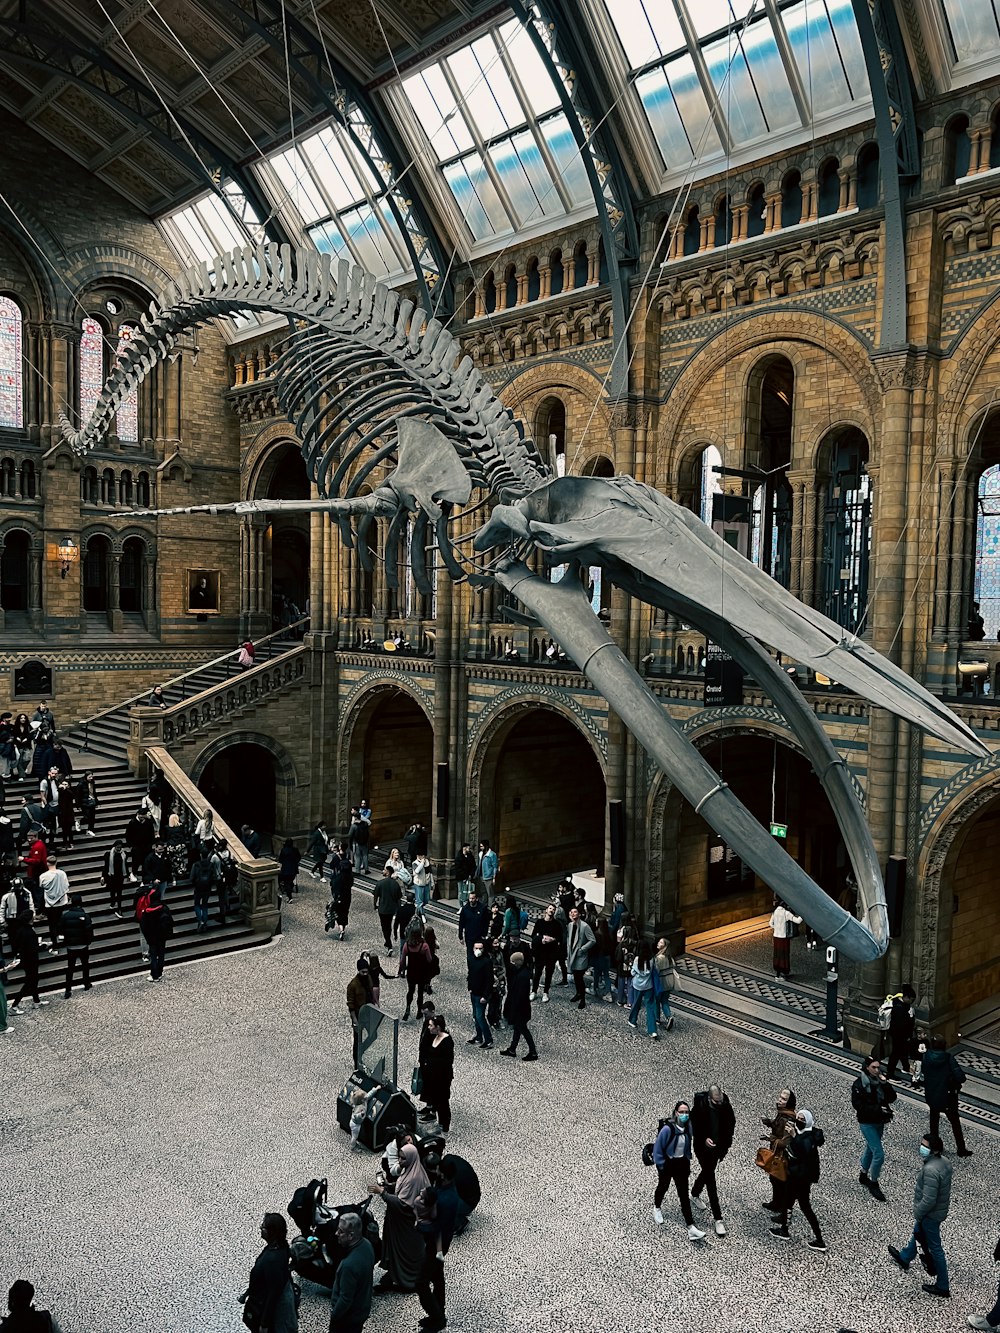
pixel 544 281
pixel 772 213
pixel 593 265
pixel 741 218
pixel 798 481
pixel 150 613
pixel 115 619
pixel 845 190
pixel 706 240
pixel 522 289
pixel 944 528
pixel 810 538
pixel 439 849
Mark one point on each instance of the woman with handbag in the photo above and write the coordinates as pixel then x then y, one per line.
pixel 664 983
pixel 804 1143
pixel 773 1159
pixel 439 1071
pixel 269 1304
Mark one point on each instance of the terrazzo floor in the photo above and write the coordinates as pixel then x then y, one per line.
pixel 147 1128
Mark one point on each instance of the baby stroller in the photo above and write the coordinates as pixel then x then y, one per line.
pixel 316 1252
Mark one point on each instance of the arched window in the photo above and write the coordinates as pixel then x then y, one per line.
pixel 847 534
pixel 556 272
pixel 142 489
pixel 829 187
pixel 551 427
pixel 534 282
pixel 957 149
pixel 757 213
pixel 8 478
pixel 769 448
pixel 11 378
pixel 581 266
pixel 127 417
pixel 125 488
pixel 868 176
pixel 510 287
pixel 710 482
pixel 91 366
pixel 601 466
pixel 791 199
pixel 29 482
pixel 986 584
pixel 723 222
pixel 489 293
pixel 692 231
pixel 469 302
pixel 995 140
pixel 108 489
pixel 602 262
pixel 88 486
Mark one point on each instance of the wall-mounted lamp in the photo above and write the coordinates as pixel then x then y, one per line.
pixel 69 552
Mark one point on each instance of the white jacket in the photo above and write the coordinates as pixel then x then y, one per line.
pixel 779 922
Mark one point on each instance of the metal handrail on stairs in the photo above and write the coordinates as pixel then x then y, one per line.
pixel 228 658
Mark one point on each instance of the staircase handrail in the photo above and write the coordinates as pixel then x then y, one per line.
pixel 197 803
pixel 228 656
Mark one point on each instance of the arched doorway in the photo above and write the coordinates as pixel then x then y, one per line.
pixel 543 798
pixel 285 591
pixel 95 573
pixel 971 904
pixel 133 571
pixel 705 885
pixel 14 566
pixel 241 784
pixel 396 751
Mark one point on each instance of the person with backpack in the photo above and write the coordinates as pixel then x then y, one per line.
pixel 943 1079
pixel 227 874
pixel 664 983
pixel 625 951
pixel 405 913
pixel 157 926
pixel 872 1096
pixel 896 1019
pixel 78 934
pixel 203 884
pixel 672 1159
pixel 22 1316
pixel 15 902
pixel 802 1151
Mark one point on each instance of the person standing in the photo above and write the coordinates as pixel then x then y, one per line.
pixel 992 1319
pixel 387 895
pixel 672 1159
pixel 473 922
pixel 546 939
pixel 139 835
pixel 54 884
pixel 423 881
pixel 157 925
pixel 519 1008
pixel 579 942
pixel 872 1096
pixel 713 1124
pixel 480 983
pixel 931 1202
pixel 203 884
pixel 601 961
pixel 114 872
pixel 487 863
pixel 416 961
pixel 901 1026
pixel 664 983
pixel 360 837
pixel 359 993
pixel 23 1317
pixel 341 888
pixel 78 934
pixel 465 872
pixel 642 989
pixel 779 1128
pixel 351 1296
pixel 781 923
pixel 269 1300
pixel 943 1077
pixel 803 1172
pixel 289 859
pixel 439 1070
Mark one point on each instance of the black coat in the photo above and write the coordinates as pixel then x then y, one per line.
pixel 518 1006
pixel 873 1105
pixel 481 976
pixel 942 1078
pixel 439 1070
pixel 76 928
pixel 803 1155
pixel 701 1124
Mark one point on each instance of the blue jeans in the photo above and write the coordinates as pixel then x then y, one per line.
pixel 930 1233
pixel 201 911
pixel 644 997
pixel 422 893
pixel 465 887
pixel 874 1154
pixel 483 1031
pixel 663 1005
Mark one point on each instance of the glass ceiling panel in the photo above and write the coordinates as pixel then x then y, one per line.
pixel 204 228
pixel 744 66
pixel 974 27
pixel 534 78
pixel 296 182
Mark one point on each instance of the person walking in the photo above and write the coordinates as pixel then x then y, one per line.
pixel 473 922
pixel 664 983
pixel 439 1070
pixel 642 988
pixel 672 1159
pixel 416 959
pixel 54 884
pixel 519 1008
pixel 351 1296
pixel 901 1027
pixel 423 881
pixel 487 864
pixel 931 1202
pixel 114 872
pixel 803 1172
pixel 480 983
pixel 992 1319
pixel 203 884
pixel 269 1300
pixel 943 1078
pixel 579 942
pixel 465 873
pixel 318 848
pixel 289 859
pixel 872 1096
pixel 359 993
pixel 713 1124
pixel 341 888
pixel 26 951
pixel 78 934
pixel 546 939
pixel 781 923
pixel 387 895
pixel 157 925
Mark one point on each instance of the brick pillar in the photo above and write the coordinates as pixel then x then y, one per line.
pixel 845 190
pixel 772 213
pixel 115 620
pixel 544 282
pixel 798 481
pixel 741 217
pixel 707 239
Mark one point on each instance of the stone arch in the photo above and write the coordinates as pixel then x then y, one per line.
pixel 687 462
pixel 102 263
pixel 503 713
pixel 777 331
pixel 46 300
pixel 845 419
pixel 263 452
pixel 965 360
pixel 525 392
pixel 112 535
pixel 363 698
pixel 285 770
pixel 27 525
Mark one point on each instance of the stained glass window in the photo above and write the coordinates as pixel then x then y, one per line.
pixel 11 379
pixel 986 588
pixel 749 68
pixel 91 366
pixel 492 117
pixel 128 410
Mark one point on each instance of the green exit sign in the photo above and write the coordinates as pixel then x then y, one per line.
pixel 779 830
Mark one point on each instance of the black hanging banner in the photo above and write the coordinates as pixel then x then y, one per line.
pixel 723 678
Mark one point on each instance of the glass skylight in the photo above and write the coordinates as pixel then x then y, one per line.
pixel 492 117
pixel 973 26
pixel 212 225
pixel 752 79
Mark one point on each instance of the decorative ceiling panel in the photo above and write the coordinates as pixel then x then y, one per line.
pixel 69 131
pixel 99 118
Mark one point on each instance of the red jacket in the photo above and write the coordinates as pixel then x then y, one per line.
pixel 37 860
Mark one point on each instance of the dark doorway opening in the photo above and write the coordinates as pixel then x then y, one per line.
pixel 240 783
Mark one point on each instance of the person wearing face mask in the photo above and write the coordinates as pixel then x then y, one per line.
pixel 931 1201
pixel 672 1159
pixel 480 984
pixel 546 939
pixel 803 1172
pixel 872 1096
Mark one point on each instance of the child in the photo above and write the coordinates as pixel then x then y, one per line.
pixel 359 1109
pixel 920 1047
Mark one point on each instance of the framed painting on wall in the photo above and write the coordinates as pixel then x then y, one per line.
pixel 204 592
